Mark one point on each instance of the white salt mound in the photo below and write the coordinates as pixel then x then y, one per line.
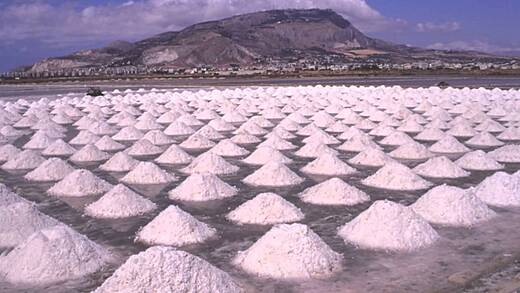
pixel 328 165
pixel 386 225
pixel 273 174
pixel 8 197
pixel 53 169
pixel 289 251
pixel 59 148
pixel 411 151
pixel 148 173
pixel 107 144
pixel 266 209
pixel 227 148
pixel 371 157
pixel 76 257
pixel 478 161
pixel 448 145
pixel 440 167
pixel 452 206
pixel 80 183
pixel 120 162
pixel 120 202
pixel 19 220
pixel 395 176
pixel 89 153
pixel 334 192
pixel 264 155
pixel 499 189
pixel 165 269
pixel 143 147
pixel 174 155
pixel 202 187
pixel 175 227
pixel 210 163
pixel 25 160
pixel 506 154
pixel 8 151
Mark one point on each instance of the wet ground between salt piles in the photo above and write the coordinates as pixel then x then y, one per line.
pixel 450 265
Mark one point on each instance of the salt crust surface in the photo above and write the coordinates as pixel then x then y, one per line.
pixel 266 209
pixel 479 161
pixel 202 187
pixel 19 220
pixel 334 192
pixel 264 155
pixel 80 183
pixel 289 251
pixel 440 167
pixel 24 160
pixel 53 169
pixel 174 155
pixel 499 189
pixel 452 206
pixel 329 165
pixel 175 227
pixel 76 257
pixel 89 153
pixel 120 202
pixel 120 162
pixel 210 163
pixel 59 148
pixel 395 176
pixel 386 225
pixel 165 269
pixel 148 173
pixel 273 174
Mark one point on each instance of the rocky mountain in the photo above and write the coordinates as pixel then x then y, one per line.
pixel 255 38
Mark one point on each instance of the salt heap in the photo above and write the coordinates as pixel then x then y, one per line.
pixel 128 133
pixel 143 147
pixel 211 163
pixel 174 155
pixel 8 151
pixel 120 162
pixel 107 144
pixel 80 183
pixel 245 139
pixel 227 148
pixel 148 173
pixel 452 206
pixel 165 269
pixel 62 254
pixel 478 161
pixel 506 154
pixel 314 150
pixel 289 251
pixel 39 141
pixel 175 227
pixel 440 167
pixel 448 145
pixel 328 165
pixel 89 153
pixel 19 220
pixel 158 138
pixel 395 176
pixel 484 140
pixel 334 192
pixel 411 151
pixel 387 225
pixel 371 157
pixel 8 197
pixel 197 142
pixel 52 169
pixel 278 143
pixel 120 202
pixel 84 137
pixel 264 155
pixel 202 187
pixel 59 148
pixel 499 189
pixel 178 128
pixel 273 174
pixel 266 209
pixel 25 160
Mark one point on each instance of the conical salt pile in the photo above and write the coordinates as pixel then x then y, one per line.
pixel 334 192
pixel 371 157
pixel 165 269
pixel 19 220
pixel 52 169
pixel 278 143
pixel 210 163
pixel 478 161
pixel 448 145
pixel 80 183
pixel 273 174
pixel 197 142
pixel 148 173
pixel 128 133
pixel 143 147
pixel 328 165
pixel 452 206
pixel 386 225
pixel 245 139
pixel 175 227
pixel 59 148
pixel 506 154
pixel 120 162
pixel 39 141
pixel 227 148
pixel 89 153
pixel 178 128
pixel 62 254
pixel 430 134
pixel 484 140
pixel 499 189
pixel 266 209
pixel 395 176
pixel 120 202
pixel 264 155
pixel 202 187
pixel 440 167
pixel 25 160
pixel 8 151
pixel 314 150
pixel 84 137
pixel 158 138
pixel 397 138
pixel 358 143
pixel 107 144
pixel 174 155
pixel 289 251
pixel 411 151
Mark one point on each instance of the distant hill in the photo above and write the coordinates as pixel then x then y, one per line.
pixel 260 37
